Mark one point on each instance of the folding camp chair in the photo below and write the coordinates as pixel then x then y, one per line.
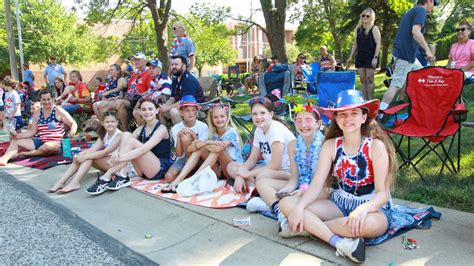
pixel 309 84
pixel 329 86
pixel 233 81
pixel 434 115
pixel 279 78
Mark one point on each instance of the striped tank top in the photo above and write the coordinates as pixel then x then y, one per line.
pixel 49 128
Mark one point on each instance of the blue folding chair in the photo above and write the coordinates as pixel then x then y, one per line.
pixel 279 78
pixel 329 86
pixel 312 78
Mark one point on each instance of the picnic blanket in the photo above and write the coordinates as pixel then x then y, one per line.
pixel 221 197
pixel 43 163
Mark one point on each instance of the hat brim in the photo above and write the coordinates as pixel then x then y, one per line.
pixel 372 107
pixel 189 104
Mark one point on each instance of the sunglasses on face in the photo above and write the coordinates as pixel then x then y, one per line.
pixel 461 29
pixel 301 57
pixel 365 16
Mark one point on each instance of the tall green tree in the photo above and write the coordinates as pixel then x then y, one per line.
pixel 106 10
pixel 48 28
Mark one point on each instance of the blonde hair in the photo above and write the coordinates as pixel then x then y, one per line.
pixel 371 20
pixel 229 122
pixel 8 81
pixel 371 129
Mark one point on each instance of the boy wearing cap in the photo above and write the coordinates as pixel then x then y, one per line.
pixel 408 39
pixel 183 134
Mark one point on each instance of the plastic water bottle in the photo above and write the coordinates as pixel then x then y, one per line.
pixel 66 147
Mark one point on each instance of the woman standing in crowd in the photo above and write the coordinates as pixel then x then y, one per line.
pixel 367 46
pixel 360 154
pixel 96 156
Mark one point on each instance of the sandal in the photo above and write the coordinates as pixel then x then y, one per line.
pixel 169 189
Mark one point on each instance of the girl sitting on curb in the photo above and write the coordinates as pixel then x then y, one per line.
pixel 363 159
pixel 271 140
pixel 97 155
pixel 148 148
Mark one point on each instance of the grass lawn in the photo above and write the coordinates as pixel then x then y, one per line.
pixel 454 191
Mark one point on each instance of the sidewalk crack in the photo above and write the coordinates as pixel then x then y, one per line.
pixel 186 239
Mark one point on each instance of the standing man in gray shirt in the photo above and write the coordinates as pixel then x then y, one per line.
pixel 183 45
pixel 52 71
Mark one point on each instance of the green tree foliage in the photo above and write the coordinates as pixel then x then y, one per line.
pixel 49 29
pixel 322 24
pixel 205 26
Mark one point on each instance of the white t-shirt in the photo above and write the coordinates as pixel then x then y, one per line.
pixel 11 99
pixel 201 130
pixel 1 96
pixel 276 132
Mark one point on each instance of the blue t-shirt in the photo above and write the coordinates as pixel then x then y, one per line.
pixel 234 149
pixel 184 47
pixel 405 46
pixel 188 85
pixel 52 72
pixel 28 76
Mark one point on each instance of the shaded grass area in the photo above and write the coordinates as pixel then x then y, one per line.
pixel 454 191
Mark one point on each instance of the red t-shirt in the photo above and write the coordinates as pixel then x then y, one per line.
pixel 140 82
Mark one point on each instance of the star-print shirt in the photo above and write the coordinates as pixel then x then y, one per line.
pixel 355 173
pixel 50 128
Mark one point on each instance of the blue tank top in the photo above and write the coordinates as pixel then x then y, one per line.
pixel 162 149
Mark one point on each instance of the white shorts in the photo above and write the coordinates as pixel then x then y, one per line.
pixel 402 68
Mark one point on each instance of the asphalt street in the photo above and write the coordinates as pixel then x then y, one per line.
pixel 35 230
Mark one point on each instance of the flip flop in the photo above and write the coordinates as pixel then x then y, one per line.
pixel 168 189
pixel 61 191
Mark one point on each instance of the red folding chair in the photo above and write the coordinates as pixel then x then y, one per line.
pixel 434 116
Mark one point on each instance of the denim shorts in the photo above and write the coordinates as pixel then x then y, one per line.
pixel 38 143
pixel 164 166
pixel 347 202
pixel 179 163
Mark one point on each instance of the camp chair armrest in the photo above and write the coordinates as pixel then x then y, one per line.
pixel 460 109
pixel 395 109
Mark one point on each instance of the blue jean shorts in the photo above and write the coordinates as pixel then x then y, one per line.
pixel 165 165
pixel 179 163
pixel 347 202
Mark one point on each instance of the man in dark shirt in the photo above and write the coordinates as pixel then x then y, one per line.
pixel 184 83
pixel 408 39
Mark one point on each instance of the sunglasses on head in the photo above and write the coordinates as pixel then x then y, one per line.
pixel 260 100
pixel 365 16
pixel 461 29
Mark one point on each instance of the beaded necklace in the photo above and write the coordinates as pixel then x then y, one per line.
pixel 307 159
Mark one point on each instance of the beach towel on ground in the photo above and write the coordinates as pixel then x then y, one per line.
pixel 43 163
pixel 223 196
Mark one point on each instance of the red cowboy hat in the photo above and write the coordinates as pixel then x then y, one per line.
pixel 350 99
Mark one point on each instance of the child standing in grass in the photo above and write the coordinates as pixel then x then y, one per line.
pixel 12 118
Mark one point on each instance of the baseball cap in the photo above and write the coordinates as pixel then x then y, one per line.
pixel 156 63
pixel 274 57
pixel 139 56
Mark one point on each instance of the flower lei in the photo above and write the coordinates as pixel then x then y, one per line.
pixel 306 161
pixel 308 107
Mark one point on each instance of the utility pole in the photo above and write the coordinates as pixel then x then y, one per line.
pixel 20 41
pixel 11 40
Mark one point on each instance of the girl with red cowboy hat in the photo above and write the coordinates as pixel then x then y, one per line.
pixel 358 152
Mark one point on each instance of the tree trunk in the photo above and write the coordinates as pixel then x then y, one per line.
pixel 328 10
pixel 275 27
pixel 387 29
pixel 160 17
pixel 11 41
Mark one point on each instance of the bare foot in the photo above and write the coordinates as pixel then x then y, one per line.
pixel 69 188
pixel 3 162
pixel 55 187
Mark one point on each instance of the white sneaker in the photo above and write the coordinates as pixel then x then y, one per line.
pixel 284 230
pixel 256 204
pixel 351 248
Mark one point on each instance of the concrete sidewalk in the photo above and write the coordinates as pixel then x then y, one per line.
pixel 184 234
